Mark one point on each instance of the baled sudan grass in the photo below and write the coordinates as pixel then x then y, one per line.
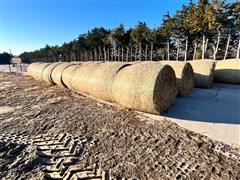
pixel 81 77
pixel 38 69
pixel 203 72
pixel 57 72
pixel 184 74
pixel 149 87
pixel 46 75
pixel 227 71
pixel 101 79
pixel 67 75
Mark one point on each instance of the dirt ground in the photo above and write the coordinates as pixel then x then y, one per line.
pixel 51 132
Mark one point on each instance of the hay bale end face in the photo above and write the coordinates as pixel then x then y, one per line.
pixel 57 72
pixel 149 87
pixel 184 74
pixel 68 74
pixel 227 71
pixel 81 80
pixel 46 75
pixel 102 78
pixel 203 72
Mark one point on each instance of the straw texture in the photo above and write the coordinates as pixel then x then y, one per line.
pixel 101 79
pixel 149 87
pixel 57 72
pixel 68 74
pixel 184 74
pixel 227 71
pixel 37 70
pixel 46 75
pixel 203 72
pixel 81 80
pixel 31 68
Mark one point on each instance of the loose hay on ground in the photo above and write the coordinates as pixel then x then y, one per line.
pixel 227 71
pixel 149 87
pixel 184 74
pixel 57 72
pixel 203 72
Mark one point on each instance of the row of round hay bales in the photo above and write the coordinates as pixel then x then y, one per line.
pixel 227 71
pixel 184 74
pixel 148 86
pixel 203 72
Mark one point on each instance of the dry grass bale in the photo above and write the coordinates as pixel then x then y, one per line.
pixel 37 70
pixel 57 72
pixel 227 71
pixel 101 79
pixel 46 75
pixel 149 87
pixel 67 75
pixel 203 72
pixel 81 77
pixel 31 67
pixel 184 74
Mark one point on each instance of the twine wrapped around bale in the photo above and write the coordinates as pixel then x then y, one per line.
pixel 57 72
pixel 37 70
pixel 227 71
pixel 203 72
pixel 46 75
pixel 81 80
pixel 184 74
pixel 149 87
pixel 101 79
pixel 67 75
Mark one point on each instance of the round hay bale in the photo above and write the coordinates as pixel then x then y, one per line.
pixel 149 87
pixel 38 69
pixel 81 78
pixel 101 79
pixel 31 67
pixel 46 75
pixel 227 71
pixel 57 72
pixel 184 74
pixel 67 75
pixel 203 72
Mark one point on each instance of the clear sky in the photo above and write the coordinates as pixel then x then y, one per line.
pixel 27 25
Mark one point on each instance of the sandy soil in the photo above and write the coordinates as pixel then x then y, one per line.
pixel 124 142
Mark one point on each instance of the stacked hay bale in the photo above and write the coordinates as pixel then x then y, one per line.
pixel 101 79
pixel 82 77
pixel 46 75
pixel 149 87
pixel 184 74
pixel 227 71
pixel 57 72
pixel 36 70
pixel 67 75
pixel 203 72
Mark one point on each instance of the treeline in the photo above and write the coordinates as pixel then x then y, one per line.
pixel 199 30
pixel 5 58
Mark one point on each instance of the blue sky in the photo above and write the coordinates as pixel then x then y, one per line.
pixel 27 25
